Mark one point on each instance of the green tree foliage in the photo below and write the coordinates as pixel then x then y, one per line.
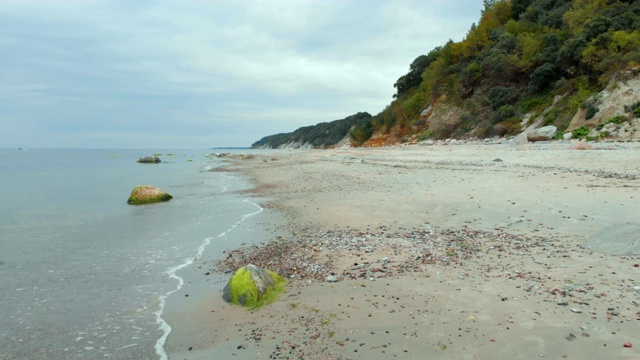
pixel 551 44
pixel 518 7
pixel 529 48
pixel 582 12
pixel 414 77
pixel 547 13
pixel 431 79
pixel 570 54
pixel 361 133
pixel 543 76
pixel 500 95
pixel 503 113
pixel 472 75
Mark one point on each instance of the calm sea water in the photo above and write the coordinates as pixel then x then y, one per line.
pixel 83 275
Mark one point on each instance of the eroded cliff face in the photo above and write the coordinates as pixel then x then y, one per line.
pixel 383 138
pixel 288 146
pixel 344 143
pixel 621 93
pixel 442 118
pixel 436 121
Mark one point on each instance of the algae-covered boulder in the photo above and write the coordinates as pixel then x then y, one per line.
pixel 145 194
pixel 252 286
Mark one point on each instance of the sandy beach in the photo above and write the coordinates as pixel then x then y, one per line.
pixel 442 252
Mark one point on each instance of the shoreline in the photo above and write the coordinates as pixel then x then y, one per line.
pixel 436 250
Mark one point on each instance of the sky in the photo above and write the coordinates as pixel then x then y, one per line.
pixel 194 74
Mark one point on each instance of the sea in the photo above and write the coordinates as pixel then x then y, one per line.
pixel 84 275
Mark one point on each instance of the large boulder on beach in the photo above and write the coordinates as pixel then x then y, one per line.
pixel 542 134
pixel 521 139
pixel 621 240
pixel 146 194
pixel 149 160
pixel 252 287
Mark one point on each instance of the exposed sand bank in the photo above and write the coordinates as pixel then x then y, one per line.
pixel 469 252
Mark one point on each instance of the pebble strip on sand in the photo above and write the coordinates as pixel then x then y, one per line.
pixel 312 257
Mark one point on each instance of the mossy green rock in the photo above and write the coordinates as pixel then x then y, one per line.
pixel 146 194
pixel 252 287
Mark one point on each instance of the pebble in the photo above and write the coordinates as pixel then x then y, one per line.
pixel 332 278
pixel 576 310
pixel 627 345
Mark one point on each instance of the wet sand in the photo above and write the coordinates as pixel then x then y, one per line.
pixel 469 252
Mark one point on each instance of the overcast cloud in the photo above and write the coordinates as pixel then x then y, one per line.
pixel 198 74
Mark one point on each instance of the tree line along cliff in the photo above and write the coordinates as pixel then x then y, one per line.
pixel 525 61
pixel 322 135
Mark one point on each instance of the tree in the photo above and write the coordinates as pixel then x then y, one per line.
pixel 543 76
pixel 547 12
pixel 529 48
pixel 570 53
pixel 625 42
pixel 518 7
pixel 551 43
pixel 432 77
pixel 500 95
pixel 414 77
pixel 474 42
pixel 596 27
pixel 488 4
pixel 581 12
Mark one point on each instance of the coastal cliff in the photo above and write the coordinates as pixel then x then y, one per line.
pixel 526 64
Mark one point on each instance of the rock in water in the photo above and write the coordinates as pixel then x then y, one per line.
pixel 145 194
pixel 149 160
pixel 252 286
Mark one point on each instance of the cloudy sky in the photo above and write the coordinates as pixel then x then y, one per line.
pixel 198 74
